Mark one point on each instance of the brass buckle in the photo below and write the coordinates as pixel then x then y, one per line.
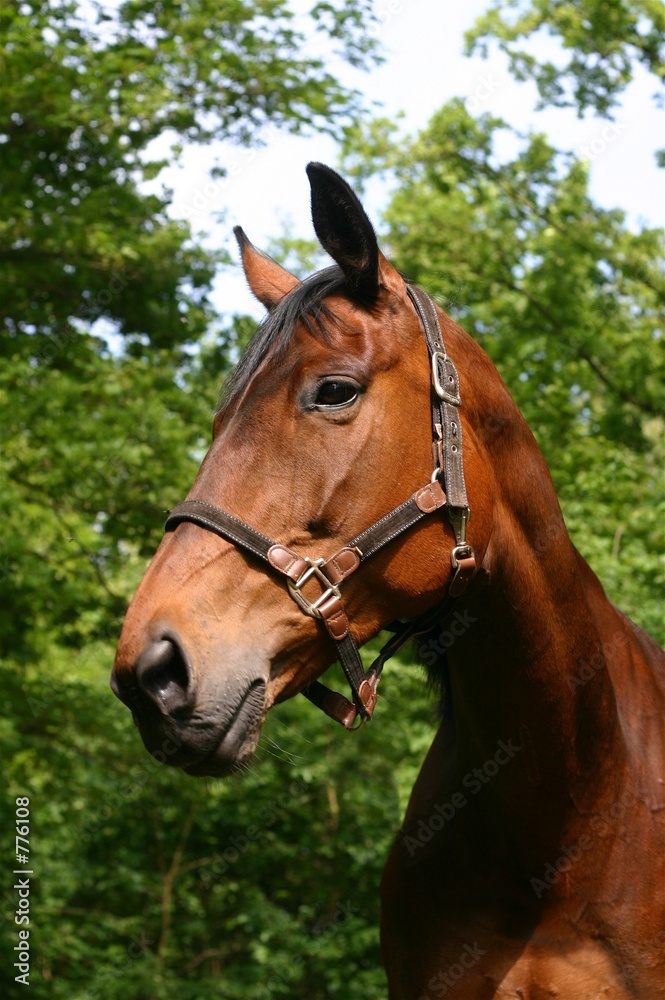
pixel 311 608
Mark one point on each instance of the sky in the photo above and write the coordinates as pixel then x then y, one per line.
pixel 267 188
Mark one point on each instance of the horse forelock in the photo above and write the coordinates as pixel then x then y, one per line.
pixel 304 305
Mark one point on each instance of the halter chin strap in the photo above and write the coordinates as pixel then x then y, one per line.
pixel 303 572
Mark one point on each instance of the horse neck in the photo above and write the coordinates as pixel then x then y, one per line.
pixel 529 625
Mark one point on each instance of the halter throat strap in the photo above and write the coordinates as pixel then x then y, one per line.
pixel 304 572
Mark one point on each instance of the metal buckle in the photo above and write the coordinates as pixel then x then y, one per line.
pixel 458 516
pixel 448 397
pixel 464 551
pixel 311 608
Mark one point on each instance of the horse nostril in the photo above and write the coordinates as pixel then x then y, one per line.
pixel 162 674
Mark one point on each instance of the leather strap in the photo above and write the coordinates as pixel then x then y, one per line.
pixel 335 705
pixel 206 515
pixel 338 566
pixel 446 399
pixel 424 501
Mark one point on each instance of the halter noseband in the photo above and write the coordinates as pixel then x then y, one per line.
pixel 331 572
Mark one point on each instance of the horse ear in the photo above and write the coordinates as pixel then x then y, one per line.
pixel 344 230
pixel 390 278
pixel 268 280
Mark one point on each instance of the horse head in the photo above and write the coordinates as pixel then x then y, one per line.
pixel 324 428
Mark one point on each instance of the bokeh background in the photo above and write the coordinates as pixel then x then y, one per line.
pixel 508 154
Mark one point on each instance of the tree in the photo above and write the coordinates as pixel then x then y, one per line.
pixel 606 41
pixel 82 103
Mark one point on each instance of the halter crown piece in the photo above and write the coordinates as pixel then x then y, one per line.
pixel 446 489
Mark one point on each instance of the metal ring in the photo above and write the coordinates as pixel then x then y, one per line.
pixel 464 551
pixel 314 570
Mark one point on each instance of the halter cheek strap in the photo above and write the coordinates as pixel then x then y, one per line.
pixel 303 572
pixel 448 445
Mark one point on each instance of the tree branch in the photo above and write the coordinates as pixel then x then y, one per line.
pixel 168 880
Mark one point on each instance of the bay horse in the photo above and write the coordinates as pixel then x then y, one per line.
pixel 357 433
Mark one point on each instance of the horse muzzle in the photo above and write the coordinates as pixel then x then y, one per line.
pixel 205 722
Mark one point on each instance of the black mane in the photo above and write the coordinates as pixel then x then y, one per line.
pixel 305 304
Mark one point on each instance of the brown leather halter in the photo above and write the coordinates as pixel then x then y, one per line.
pixel 330 573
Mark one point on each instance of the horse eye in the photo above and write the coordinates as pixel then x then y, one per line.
pixel 334 392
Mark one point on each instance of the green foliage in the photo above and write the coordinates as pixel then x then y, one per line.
pixel 605 41
pixel 95 448
pixel 77 239
pixel 299 256
pixel 81 105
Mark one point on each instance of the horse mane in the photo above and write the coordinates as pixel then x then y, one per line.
pixel 305 304
pixel 432 657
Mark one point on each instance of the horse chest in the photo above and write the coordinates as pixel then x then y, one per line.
pixel 487 969
pixel 474 939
